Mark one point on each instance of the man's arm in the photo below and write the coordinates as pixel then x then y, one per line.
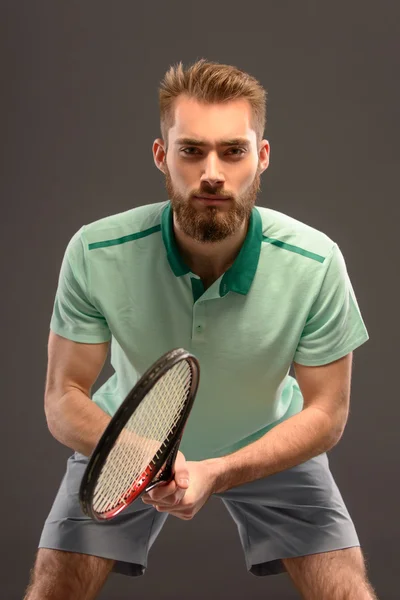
pixel 316 429
pixel 72 417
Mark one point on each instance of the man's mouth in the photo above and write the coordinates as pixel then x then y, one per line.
pixel 208 199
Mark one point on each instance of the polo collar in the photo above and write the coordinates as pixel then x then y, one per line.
pixel 239 277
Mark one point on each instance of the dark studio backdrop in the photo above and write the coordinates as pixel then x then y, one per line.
pixel 79 115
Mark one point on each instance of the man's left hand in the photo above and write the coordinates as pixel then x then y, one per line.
pixel 180 499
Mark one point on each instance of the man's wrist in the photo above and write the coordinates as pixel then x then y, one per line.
pixel 217 468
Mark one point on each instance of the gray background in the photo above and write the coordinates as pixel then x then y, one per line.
pixel 79 115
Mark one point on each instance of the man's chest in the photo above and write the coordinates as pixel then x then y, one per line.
pixel 244 334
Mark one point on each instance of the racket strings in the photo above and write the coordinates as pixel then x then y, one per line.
pixel 144 437
pixel 131 449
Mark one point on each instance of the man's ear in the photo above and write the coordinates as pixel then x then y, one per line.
pixel 159 154
pixel 264 156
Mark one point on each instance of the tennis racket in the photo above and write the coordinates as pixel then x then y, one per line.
pixel 138 448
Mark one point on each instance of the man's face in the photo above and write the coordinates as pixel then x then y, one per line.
pixel 212 151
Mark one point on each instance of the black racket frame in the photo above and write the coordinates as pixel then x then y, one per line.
pixel 124 413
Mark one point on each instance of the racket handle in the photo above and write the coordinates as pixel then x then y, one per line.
pixel 168 471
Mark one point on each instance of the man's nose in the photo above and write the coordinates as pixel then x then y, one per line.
pixel 212 172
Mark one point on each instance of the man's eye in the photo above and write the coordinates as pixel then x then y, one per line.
pixel 241 150
pixel 184 150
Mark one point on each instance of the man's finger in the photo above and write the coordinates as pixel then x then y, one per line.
pixel 181 471
pixel 162 491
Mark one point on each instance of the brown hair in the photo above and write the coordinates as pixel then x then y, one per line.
pixel 210 82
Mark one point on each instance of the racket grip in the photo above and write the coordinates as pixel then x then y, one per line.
pixel 168 471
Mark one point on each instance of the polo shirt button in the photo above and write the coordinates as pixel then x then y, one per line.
pixel 199 327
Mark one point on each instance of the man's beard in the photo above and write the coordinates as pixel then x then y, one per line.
pixel 211 224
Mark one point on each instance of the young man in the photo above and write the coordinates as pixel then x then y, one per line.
pixel 250 291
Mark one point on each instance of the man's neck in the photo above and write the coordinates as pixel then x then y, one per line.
pixel 210 260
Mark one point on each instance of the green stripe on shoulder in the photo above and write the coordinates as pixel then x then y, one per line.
pixel 295 249
pixel 125 238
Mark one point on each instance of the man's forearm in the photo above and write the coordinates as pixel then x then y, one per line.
pixel 292 442
pixel 76 421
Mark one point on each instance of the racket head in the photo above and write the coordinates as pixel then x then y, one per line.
pixel 109 439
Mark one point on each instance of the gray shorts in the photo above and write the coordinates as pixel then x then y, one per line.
pixel 296 512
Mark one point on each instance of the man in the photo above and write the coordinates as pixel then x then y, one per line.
pixel 250 291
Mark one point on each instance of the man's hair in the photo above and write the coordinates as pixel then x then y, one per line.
pixel 211 82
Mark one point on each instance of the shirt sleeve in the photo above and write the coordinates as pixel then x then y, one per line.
pixel 334 326
pixel 74 315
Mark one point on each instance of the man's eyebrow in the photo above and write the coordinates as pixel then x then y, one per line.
pixel 240 141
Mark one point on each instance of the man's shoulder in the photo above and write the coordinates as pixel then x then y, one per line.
pixel 288 232
pixel 129 222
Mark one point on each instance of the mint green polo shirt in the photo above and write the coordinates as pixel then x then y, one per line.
pixel 287 297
